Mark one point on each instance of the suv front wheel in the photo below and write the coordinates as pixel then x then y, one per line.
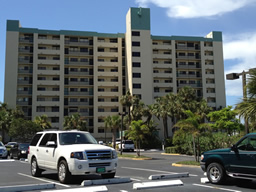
pixel 63 172
pixel 216 173
pixel 35 171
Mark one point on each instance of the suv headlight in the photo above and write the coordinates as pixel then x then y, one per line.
pixel 202 157
pixel 77 155
pixel 114 154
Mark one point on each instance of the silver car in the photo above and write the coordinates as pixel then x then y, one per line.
pixel 3 151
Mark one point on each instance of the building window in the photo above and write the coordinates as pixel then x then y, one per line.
pixel 74 69
pixel 41 89
pixel 55 119
pixel 73 89
pixel 84 80
pixel 101 130
pixel 73 99
pixel 84 69
pixel 136 86
pixel 101 80
pixel 136 75
pixel 84 90
pixel 83 100
pixel 114 99
pixel 156 89
pixel 135 33
pixel 136 44
pixel 100 49
pixel 55 88
pixel 114 110
pixel 83 49
pixel 136 54
pixel 114 90
pixel 55 109
pixel 41 78
pixel 101 90
pixel 101 70
pixel 56 78
pixel 135 64
pixel 101 99
pixel 101 110
pixel 40 109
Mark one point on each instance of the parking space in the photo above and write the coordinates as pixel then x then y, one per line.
pixel 15 172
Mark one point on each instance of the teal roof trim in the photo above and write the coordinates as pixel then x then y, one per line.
pixel 14 26
pixel 217 36
pixel 140 18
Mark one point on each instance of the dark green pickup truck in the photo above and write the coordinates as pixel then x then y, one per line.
pixel 239 161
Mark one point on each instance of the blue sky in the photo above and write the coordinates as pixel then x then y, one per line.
pixel 235 18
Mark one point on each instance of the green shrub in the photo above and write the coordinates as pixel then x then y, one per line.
pixel 171 149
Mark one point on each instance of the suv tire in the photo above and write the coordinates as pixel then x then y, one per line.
pixel 108 175
pixel 216 173
pixel 35 171
pixel 63 172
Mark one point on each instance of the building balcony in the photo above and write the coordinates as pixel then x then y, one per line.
pixel 108 63
pixel 25 51
pixel 48 103
pixel 78 63
pixel 163 75
pixel 27 71
pixel 108 54
pixel 210 95
pixel 24 92
pixel 188 57
pixel 78 73
pixel 211 76
pixel 161 56
pixel 108 104
pixel 25 61
pixel 48 93
pixel 104 84
pixel 24 82
pixel 79 43
pixel 210 85
pixel 48 51
pixel 49 113
pixel 107 44
pixel 109 94
pixel 48 82
pixel 49 41
pixel 162 65
pixel 48 61
pixel 159 94
pixel 180 66
pixel 197 85
pixel 185 47
pixel 163 85
pixel 162 46
pixel 26 40
pixel 108 74
pixel 76 93
pixel 48 72
pixel 78 53
pixel 22 103
pixel 211 104
pixel 79 104
pixel 78 83
pixel 189 76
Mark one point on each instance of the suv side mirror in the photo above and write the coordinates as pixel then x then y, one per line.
pixel 234 148
pixel 51 144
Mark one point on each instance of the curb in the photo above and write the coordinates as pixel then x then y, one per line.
pixel 105 181
pixel 27 187
pixel 135 158
pixel 149 185
pixel 182 165
pixel 170 154
pixel 168 176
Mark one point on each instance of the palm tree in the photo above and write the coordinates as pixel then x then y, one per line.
pixel 74 122
pixel 43 122
pixel 115 124
pixel 126 101
pixel 247 107
pixel 6 118
pixel 193 126
pixel 161 110
pixel 137 109
pixel 137 133
pixel 107 122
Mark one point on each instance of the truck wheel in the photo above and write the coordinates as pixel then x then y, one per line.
pixel 108 175
pixel 35 171
pixel 64 174
pixel 216 173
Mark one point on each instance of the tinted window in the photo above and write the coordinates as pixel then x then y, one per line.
pixel 135 33
pixel 24 146
pixel 35 139
pixel 45 139
pixel 128 142
pixel 76 138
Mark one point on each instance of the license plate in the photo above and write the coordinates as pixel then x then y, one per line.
pixel 100 170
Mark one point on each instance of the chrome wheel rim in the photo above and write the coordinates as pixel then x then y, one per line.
pixel 33 167
pixel 62 172
pixel 215 174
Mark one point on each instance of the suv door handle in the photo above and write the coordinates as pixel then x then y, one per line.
pixel 37 150
pixel 46 150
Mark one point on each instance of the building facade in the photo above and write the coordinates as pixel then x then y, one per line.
pixel 59 73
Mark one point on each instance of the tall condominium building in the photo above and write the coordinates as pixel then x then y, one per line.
pixel 59 73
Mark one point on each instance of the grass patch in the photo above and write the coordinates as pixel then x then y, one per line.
pixel 188 163
pixel 131 156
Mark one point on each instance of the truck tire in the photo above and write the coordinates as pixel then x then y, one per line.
pixel 64 174
pixel 216 173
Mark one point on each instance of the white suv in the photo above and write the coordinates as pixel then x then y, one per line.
pixel 70 153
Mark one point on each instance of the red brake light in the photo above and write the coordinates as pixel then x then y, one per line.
pixel 28 149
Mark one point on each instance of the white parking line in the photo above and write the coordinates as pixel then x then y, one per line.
pixel 151 170
pixel 224 189
pixel 43 180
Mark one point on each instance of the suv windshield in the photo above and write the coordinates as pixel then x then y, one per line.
pixel 1 144
pixel 76 138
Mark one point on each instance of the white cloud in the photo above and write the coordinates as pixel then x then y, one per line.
pixel 239 54
pixel 196 8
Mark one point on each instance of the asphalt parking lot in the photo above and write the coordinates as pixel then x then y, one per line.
pixel 16 173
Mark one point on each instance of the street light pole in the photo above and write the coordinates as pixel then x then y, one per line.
pixel 232 76
pixel 122 119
